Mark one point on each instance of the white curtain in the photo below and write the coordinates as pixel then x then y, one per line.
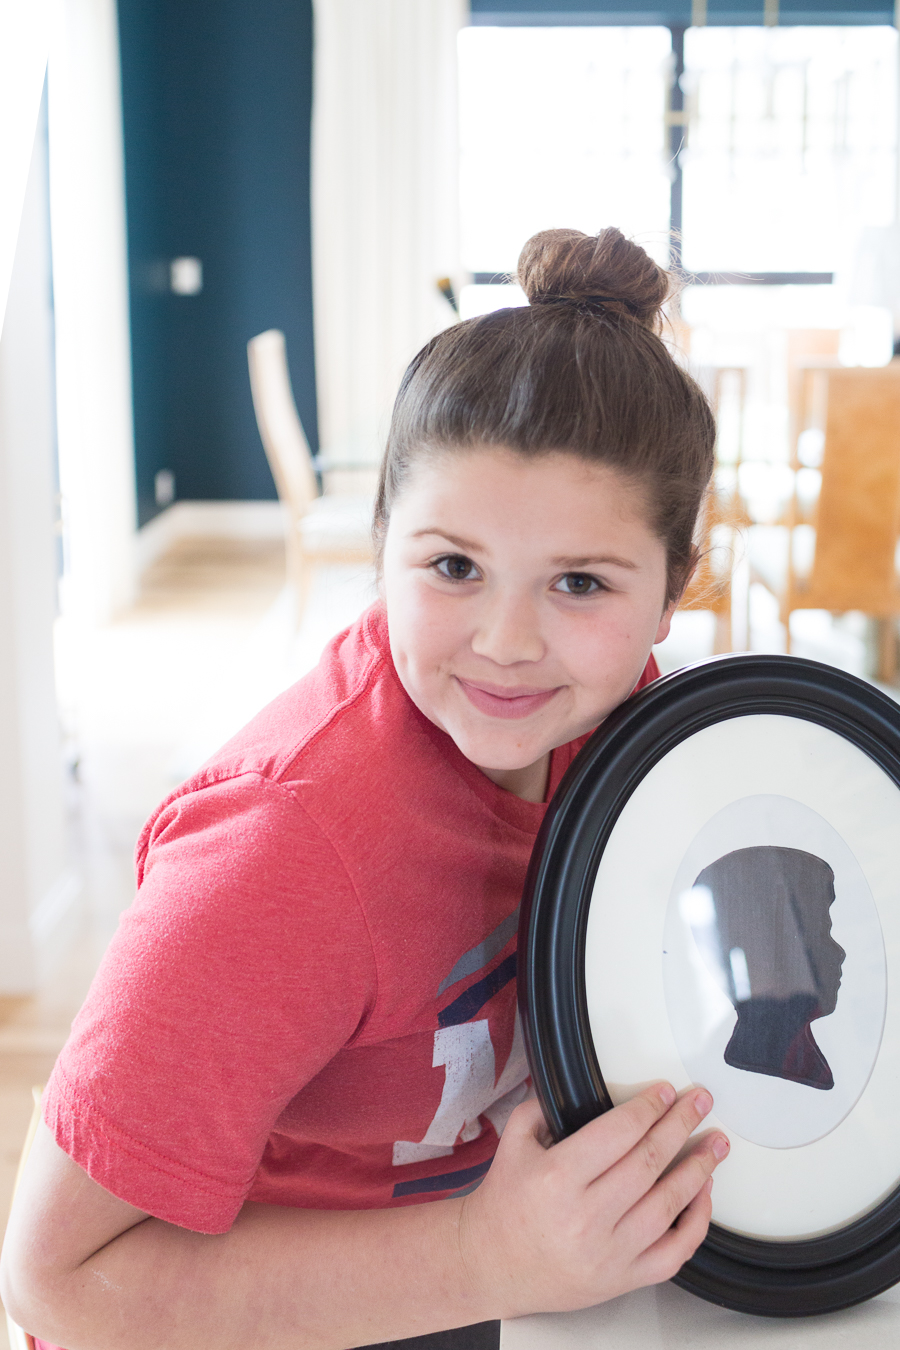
pixel 24 42
pixel 385 203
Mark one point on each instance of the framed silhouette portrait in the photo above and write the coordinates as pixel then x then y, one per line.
pixel 715 898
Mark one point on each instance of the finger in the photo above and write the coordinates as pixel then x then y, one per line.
pixel 599 1145
pixel 668 1254
pixel 655 1214
pixel 632 1177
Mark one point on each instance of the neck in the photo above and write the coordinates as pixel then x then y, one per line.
pixel 529 783
pixel 773 1036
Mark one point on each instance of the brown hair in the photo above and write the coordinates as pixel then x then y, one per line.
pixel 582 369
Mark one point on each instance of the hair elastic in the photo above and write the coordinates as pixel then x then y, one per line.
pixel 579 300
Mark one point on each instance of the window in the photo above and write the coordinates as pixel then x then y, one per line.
pixel 561 126
pixel 791 146
pixel 789 141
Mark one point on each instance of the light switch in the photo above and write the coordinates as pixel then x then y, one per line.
pixel 164 487
pixel 186 276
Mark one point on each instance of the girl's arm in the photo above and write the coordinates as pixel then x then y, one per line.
pixel 549 1229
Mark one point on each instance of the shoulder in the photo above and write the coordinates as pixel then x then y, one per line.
pixel 317 749
pixel 343 685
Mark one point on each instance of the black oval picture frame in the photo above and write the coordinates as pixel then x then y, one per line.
pixel 781 1278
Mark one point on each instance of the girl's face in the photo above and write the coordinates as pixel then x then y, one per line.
pixel 523 597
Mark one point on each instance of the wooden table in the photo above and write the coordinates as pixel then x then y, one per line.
pixel 666 1318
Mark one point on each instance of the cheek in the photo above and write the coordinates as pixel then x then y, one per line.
pixel 424 628
pixel 608 652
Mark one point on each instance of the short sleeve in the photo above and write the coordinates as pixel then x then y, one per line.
pixel 241 969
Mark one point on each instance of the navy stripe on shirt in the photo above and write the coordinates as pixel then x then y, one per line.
pixel 445 1181
pixel 473 999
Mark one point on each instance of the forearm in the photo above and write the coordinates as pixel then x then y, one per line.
pixel 602 1212
pixel 298 1279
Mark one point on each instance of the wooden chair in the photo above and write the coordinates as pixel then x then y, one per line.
pixel 710 587
pixel 319 529
pixel 806 348
pixel 724 516
pixel 857 516
pixel 19 1339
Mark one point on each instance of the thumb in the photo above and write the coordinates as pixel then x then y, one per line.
pixel 527 1124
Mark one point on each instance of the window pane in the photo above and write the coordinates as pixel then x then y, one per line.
pixel 791 146
pixel 561 127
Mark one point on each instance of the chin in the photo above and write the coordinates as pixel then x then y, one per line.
pixel 489 752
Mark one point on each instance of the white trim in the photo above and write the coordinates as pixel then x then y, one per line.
pixel 54 906
pixel 90 287
pixel 24 42
pixel 207 520
pixel 17 1338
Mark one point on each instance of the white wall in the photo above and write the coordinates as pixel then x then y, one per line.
pixel 35 881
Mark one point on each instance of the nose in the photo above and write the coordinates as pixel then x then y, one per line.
pixel 508 630
pixel 838 956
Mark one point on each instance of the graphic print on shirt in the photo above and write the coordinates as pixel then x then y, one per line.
pixel 463 1048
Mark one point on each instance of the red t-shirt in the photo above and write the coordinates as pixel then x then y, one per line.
pixel 311 1001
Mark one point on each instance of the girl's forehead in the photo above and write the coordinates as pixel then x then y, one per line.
pixel 456 466
pixel 482 481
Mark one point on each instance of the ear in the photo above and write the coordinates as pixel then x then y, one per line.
pixel 665 623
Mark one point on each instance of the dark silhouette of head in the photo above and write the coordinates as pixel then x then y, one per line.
pixel 763 923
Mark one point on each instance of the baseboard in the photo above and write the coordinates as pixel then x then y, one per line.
pixel 219 520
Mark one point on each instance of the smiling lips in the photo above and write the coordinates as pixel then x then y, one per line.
pixel 496 701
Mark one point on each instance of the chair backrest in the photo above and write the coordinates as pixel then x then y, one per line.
pixel 858 515
pixel 280 428
pixel 804 345
pixel 710 585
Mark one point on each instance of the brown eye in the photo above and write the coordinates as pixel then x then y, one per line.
pixel 456 567
pixel 577 583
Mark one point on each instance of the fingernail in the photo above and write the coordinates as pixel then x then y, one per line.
pixel 703 1102
pixel 720 1146
pixel 708 1186
pixel 667 1094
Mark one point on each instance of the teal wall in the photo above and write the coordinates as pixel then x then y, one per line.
pixel 217 100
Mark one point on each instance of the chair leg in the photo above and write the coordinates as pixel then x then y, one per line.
pixel 303 583
pixel 300 568
pixel 18 1339
pixel 722 641
pixel 887 651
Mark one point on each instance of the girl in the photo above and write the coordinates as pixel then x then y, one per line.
pixel 270 1123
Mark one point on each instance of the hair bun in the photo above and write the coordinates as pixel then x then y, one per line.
pixel 604 268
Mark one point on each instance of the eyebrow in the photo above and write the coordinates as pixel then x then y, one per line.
pixel 600 560
pixel 468 544
pixel 569 564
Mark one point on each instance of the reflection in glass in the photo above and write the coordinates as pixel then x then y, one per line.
pixel 761 920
